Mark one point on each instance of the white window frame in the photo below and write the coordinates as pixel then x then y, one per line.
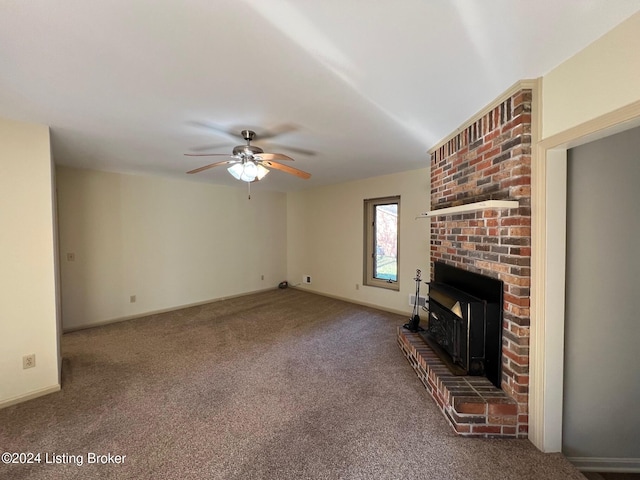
pixel 369 243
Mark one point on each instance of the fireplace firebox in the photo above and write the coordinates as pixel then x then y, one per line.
pixel 465 321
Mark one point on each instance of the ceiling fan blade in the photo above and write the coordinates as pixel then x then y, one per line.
pixel 204 148
pixel 302 151
pixel 287 169
pixel 208 155
pixel 276 131
pixel 211 165
pixel 273 156
pixel 216 128
pixel 236 132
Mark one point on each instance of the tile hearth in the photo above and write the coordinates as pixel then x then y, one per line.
pixel 472 405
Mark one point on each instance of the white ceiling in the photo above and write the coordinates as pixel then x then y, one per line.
pixel 130 85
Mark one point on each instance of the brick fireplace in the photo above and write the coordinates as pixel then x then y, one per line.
pixel 488 159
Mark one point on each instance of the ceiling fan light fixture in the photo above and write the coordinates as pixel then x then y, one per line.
pixel 247 171
pixel 236 170
pixel 250 172
pixel 262 172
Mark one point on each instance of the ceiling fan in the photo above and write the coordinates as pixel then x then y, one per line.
pixel 263 134
pixel 248 162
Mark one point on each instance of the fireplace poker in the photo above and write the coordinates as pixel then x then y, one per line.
pixel 414 321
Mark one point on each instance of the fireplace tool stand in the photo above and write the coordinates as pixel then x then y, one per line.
pixel 414 321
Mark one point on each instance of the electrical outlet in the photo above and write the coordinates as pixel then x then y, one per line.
pixel 29 361
pixel 132 299
pixel 306 279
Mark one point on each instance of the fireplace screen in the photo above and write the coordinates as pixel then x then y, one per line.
pixel 466 325
pixel 457 324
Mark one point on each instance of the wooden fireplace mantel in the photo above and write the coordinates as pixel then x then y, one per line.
pixel 471 207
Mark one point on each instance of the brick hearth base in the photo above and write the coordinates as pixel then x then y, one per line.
pixel 472 405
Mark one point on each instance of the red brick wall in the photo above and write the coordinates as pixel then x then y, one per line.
pixel 491 160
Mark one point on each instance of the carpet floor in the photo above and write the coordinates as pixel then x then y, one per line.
pixel 279 385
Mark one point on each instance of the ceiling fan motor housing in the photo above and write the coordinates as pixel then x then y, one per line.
pixel 246 151
pixel 248 135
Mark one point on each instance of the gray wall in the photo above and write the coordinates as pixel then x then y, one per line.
pixel 602 351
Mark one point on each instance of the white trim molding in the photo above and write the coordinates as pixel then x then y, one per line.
pixel 595 464
pixel 548 287
pixel 29 396
pixel 101 323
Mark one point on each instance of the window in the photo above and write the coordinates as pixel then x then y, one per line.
pixel 381 229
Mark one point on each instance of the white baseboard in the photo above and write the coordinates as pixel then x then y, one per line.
pixel 100 323
pixel 29 396
pixel 606 464
pixel 351 300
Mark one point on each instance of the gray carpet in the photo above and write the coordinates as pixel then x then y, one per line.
pixel 279 385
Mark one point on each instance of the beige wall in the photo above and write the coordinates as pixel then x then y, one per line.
pixel 168 242
pixel 174 243
pixel 28 309
pixel 601 78
pixel 325 237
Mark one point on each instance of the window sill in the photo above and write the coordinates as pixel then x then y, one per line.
pixel 395 286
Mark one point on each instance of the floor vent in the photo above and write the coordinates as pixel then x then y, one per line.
pixel 422 301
